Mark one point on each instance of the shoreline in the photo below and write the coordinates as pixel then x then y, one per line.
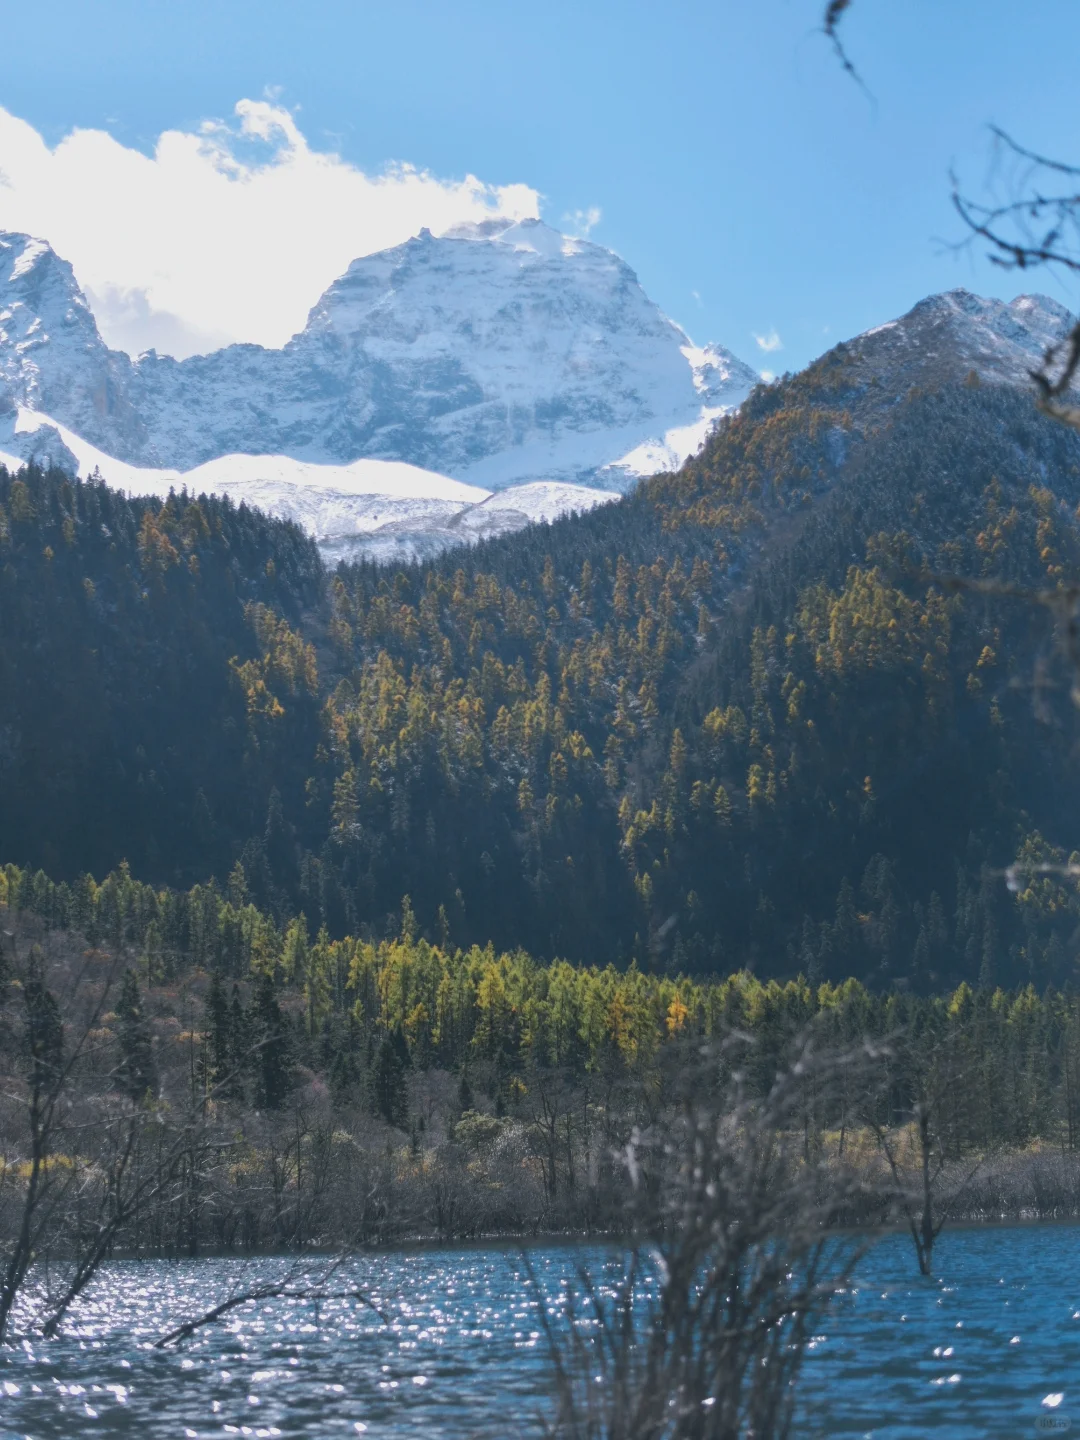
pixel 551 1239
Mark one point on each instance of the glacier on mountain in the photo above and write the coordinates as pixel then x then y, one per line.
pixel 499 355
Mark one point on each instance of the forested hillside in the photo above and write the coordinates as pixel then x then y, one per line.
pixel 125 628
pixel 737 719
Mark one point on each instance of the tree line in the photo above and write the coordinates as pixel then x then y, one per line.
pixel 243 1010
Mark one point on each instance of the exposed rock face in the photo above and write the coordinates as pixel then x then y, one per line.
pixel 946 337
pixel 502 358
pixel 497 354
pixel 52 358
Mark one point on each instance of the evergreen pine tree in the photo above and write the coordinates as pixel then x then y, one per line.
pixel 217 1016
pixel 344 1067
pixel 809 962
pixel 239 1032
pixel 387 1081
pixel 136 1070
pixel 272 1043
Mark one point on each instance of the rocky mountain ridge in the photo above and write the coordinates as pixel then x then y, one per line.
pixel 946 337
pixel 447 389
pixel 497 355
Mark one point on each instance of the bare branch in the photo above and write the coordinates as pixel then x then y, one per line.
pixel 834 13
pixel 285 1289
pixel 1034 227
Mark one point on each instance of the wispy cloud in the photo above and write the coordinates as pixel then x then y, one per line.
pixel 230 232
pixel 580 223
pixel 769 342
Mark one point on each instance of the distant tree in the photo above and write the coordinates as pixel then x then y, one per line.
pixel 271 1044
pixel 936 1107
pixel 387 1082
pixel 44 1027
pixel 83 1176
pixel 224 1054
pixel 136 1070
pixel 239 1029
pixel 344 1066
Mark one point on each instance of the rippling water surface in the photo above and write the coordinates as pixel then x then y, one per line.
pixel 991 1348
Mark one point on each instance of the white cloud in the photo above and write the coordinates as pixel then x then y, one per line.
pixel 769 342
pixel 580 223
pixel 229 233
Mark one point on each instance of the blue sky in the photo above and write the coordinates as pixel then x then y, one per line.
pixel 753 187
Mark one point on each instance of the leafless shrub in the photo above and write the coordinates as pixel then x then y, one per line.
pixel 83 1162
pixel 1035 1184
pixel 734 1255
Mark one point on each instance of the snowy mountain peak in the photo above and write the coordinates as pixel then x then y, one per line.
pixel 38 290
pixel 525 235
pixel 52 358
pixel 718 376
pixel 945 336
pixel 498 355
pixel 18 255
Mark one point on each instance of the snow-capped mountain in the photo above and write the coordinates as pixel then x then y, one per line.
pixel 499 355
pixel 946 337
pixel 449 388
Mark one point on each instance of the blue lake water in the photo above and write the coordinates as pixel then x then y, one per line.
pixel 991 1348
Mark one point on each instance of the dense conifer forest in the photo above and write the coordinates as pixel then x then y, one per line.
pixel 738 721
pixel 268 1008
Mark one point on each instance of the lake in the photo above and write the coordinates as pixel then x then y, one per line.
pixel 990 1348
